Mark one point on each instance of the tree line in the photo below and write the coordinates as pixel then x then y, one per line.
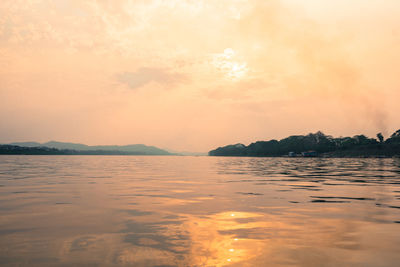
pixel 358 145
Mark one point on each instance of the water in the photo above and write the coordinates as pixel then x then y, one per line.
pixel 198 211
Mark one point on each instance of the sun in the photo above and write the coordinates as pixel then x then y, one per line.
pixel 227 63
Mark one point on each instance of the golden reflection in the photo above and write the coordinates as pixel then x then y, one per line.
pixel 214 242
pixel 246 239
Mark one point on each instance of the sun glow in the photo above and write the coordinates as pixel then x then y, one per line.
pixel 227 63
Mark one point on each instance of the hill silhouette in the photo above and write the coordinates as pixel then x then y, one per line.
pixel 63 148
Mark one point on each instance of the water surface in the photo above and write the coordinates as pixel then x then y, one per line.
pixel 198 211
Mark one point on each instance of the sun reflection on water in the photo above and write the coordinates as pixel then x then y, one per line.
pixel 211 246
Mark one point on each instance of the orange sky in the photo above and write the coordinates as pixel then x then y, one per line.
pixel 196 74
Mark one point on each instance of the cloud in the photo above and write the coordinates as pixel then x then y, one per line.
pixel 273 65
pixel 143 76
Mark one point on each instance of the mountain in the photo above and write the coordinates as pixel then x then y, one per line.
pixel 63 145
pixel 26 144
pixel 186 153
pixel 138 149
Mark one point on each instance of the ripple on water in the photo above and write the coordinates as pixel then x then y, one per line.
pixel 198 211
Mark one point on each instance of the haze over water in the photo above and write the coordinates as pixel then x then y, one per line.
pixel 198 211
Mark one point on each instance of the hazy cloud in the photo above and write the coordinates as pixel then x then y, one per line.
pixel 143 76
pixel 251 70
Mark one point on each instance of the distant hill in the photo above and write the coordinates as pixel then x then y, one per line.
pixel 186 153
pixel 26 144
pixel 320 144
pixel 137 149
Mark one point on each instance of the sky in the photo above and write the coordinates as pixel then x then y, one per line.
pixel 192 75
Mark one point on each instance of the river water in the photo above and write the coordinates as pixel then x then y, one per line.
pixel 198 211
